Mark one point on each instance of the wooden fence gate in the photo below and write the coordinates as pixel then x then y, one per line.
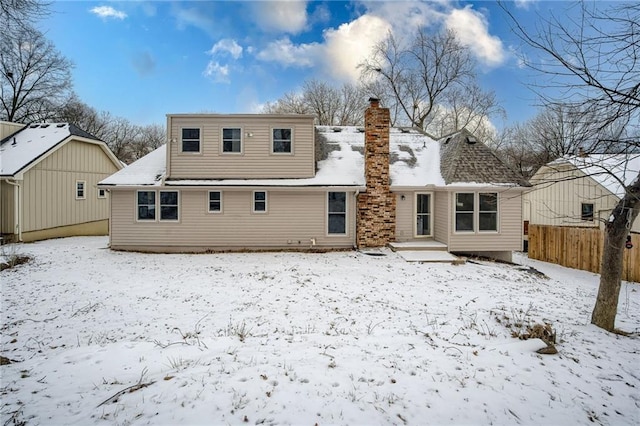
pixel 579 248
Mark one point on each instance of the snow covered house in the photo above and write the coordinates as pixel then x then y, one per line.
pixel 233 182
pixel 580 190
pixel 48 182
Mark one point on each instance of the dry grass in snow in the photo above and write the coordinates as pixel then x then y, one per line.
pixel 103 337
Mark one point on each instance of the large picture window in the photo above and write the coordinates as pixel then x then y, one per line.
pixel 232 140
pixel 168 205
pixel 464 211
pixel 215 201
pixel 191 140
pixel 146 205
pixel 259 202
pixel 337 213
pixel 488 211
pixel 282 141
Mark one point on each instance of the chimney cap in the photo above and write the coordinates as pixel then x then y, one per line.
pixel 374 101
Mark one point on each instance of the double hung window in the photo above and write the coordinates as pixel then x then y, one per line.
pixel 191 140
pixel 232 140
pixel 282 141
pixel 337 213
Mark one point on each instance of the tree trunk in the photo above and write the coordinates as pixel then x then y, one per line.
pixel 615 236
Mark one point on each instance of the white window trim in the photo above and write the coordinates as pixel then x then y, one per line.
pixel 157 214
pixel 199 151
pixel 476 213
pixel 104 193
pixel 415 214
pixel 346 215
pixel 159 206
pixel 84 190
pixel 253 202
pixel 242 141
pixel 272 140
pixel 221 203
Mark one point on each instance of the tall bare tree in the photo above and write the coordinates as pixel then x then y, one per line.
pixel 594 61
pixel 332 106
pixel 429 83
pixel 19 15
pixel 34 77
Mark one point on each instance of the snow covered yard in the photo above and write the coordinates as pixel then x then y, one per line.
pixel 283 338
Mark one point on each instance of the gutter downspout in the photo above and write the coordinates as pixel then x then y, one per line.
pixel 17 196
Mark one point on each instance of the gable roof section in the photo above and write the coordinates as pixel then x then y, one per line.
pixel 464 159
pixel 609 170
pixel 33 142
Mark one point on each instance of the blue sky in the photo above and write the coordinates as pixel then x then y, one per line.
pixel 144 59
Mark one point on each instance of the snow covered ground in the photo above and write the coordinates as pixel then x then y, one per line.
pixel 283 338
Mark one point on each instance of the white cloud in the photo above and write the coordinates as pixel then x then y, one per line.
pixel 281 16
pixel 229 46
pixel 218 73
pixel 472 30
pixel 351 43
pixel 524 4
pixel 343 48
pixel 106 12
pixel 286 53
pixel 193 17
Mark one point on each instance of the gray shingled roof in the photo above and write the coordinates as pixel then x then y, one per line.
pixel 465 159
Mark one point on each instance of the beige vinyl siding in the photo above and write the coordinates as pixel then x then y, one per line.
pixel 293 218
pixel 7 128
pixel 7 208
pixel 49 188
pixel 406 216
pixel 559 203
pixel 509 235
pixel 443 216
pixel 256 160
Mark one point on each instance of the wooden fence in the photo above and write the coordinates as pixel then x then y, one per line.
pixel 579 248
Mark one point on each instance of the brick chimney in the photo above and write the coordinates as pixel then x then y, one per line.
pixel 376 219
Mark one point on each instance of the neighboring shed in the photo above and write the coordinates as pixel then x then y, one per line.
pixel 580 190
pixel 48 182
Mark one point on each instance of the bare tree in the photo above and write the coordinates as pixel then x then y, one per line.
pixel 594 61
pixel 430 83
pixel 35 77
pixel 149 138
pixel 84 116
pixel 332 106
pixel 19 15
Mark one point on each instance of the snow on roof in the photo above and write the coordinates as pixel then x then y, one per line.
pixel 606 169
pixel 148 170
pixel 24 147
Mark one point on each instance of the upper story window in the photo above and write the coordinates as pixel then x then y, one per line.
pixel 259 201
pixel 190 140
pixel 587 211
pixel 146 205
pixel 282 141
pixel 215 201
pixel 80 189
pixel 168 205
pixel 337 213
pixel 232 140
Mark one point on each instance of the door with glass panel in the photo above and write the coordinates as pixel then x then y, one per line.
pixel 423 215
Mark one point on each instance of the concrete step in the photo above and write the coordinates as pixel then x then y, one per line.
pixel 427 245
